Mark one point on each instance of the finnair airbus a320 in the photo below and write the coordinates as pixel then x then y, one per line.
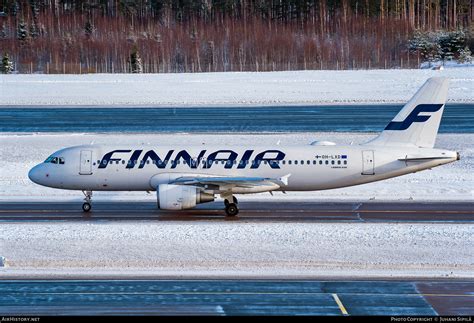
pixel 184 176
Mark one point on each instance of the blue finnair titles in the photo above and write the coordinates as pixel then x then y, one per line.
pixel 224 156
pixel 414 116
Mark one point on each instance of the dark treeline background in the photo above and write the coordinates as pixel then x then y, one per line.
pixel 68 36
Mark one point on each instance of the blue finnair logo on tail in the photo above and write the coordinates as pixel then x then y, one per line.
pixel 414 117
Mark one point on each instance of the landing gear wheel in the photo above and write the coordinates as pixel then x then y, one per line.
pixel 86 207
pixel 226 201
pixel 231 209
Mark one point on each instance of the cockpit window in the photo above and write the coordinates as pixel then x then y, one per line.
pixel 55 160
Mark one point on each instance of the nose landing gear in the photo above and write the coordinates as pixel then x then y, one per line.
pixel 86 207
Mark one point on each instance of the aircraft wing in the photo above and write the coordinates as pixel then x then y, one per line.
pixel 224 183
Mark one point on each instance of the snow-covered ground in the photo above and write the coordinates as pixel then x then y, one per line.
pixel 20 152
pixel 230 88
pixel 236 249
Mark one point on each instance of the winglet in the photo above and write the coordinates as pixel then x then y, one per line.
pixel 284 179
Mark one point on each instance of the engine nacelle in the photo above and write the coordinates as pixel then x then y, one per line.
pixel 180 197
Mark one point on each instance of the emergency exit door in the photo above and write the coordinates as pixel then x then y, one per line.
pixel 86 162
pixel 368 162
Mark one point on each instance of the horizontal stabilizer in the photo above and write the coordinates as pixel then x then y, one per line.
pixel 414 159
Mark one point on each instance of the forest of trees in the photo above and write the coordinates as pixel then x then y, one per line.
pixel 101 36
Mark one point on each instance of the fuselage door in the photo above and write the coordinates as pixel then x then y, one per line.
pixel 368 162
pixel 86 162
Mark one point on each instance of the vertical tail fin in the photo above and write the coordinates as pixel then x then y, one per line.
pixel 418 122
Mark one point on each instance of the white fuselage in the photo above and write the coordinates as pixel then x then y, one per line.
pixel 308 167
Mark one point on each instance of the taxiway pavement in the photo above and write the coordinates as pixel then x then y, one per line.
pixel 236 297
pixel 295 211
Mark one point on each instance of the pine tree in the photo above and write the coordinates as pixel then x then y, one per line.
pixel 15 7
pixel 89 29
pixel 427 45
pixel 465 55
pixel 7 64
pixel 22 31
pixel 34 29
pixel 4 31
pixel 440 45
pixel 451 43
pixel 135 62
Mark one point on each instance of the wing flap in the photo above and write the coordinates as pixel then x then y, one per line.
pixel 257 184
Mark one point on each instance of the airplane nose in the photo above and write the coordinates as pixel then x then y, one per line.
pixel 34 174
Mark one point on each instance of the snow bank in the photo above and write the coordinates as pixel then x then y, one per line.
pixel 230 249
pixel 447 64
pixel 20 152
pixel 230 88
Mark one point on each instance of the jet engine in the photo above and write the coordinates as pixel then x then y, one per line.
pixel 180 197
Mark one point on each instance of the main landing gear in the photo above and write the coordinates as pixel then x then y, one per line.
pixel 231 208
pixel 86 207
